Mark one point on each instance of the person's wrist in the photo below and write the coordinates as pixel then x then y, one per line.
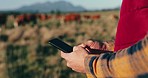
pixel 87 63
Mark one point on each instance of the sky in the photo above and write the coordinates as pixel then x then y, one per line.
pixel 88 4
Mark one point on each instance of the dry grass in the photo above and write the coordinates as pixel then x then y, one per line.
pixel 28 55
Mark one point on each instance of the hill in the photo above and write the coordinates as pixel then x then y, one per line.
pixel 51 6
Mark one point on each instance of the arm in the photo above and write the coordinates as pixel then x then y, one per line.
pixel 75 59
pixel 129 62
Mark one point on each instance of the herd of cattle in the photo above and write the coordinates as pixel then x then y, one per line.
pixel 21 19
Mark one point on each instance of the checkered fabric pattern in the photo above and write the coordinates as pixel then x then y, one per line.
pixel 131 62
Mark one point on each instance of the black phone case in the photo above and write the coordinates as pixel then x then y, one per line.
pixel 61 45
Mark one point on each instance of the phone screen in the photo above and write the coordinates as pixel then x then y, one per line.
pixel 61 45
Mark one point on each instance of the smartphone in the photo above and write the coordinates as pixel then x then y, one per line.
pixel 61 45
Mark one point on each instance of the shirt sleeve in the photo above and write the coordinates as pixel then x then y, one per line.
pixel 130 62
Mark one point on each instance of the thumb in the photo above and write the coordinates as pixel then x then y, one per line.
pixel 81 49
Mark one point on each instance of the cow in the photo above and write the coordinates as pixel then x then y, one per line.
pixel 49 17
pixel 24 19
pixel 95 17
pixel 72 17
pixel 87 16
pixel 43 17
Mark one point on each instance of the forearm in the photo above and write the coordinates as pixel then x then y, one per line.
pixel 129 62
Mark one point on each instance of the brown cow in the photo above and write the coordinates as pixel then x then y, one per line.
pixel 87 16
pixel 72 17
pixel 49 17
pixel 43 17
pixel 25 18
pixel 95 17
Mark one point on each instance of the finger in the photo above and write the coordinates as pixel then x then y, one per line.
pixel 81 49
pixel 107 45
pixel 73 69
pixel 89 42
pixel 68 65
pixel 75 48
pixel 95 45
pixel 63 55
pixel 82 45
pixel 104 47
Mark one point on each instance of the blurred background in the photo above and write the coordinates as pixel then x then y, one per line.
pixel 26 26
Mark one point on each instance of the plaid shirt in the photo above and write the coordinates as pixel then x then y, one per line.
pixel 131 62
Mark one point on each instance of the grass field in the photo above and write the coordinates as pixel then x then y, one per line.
pixel 25 52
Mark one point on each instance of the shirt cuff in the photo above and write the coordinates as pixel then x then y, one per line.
pixel 89 65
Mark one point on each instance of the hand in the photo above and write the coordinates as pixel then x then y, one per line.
pixel 95 45
pixel 75 59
